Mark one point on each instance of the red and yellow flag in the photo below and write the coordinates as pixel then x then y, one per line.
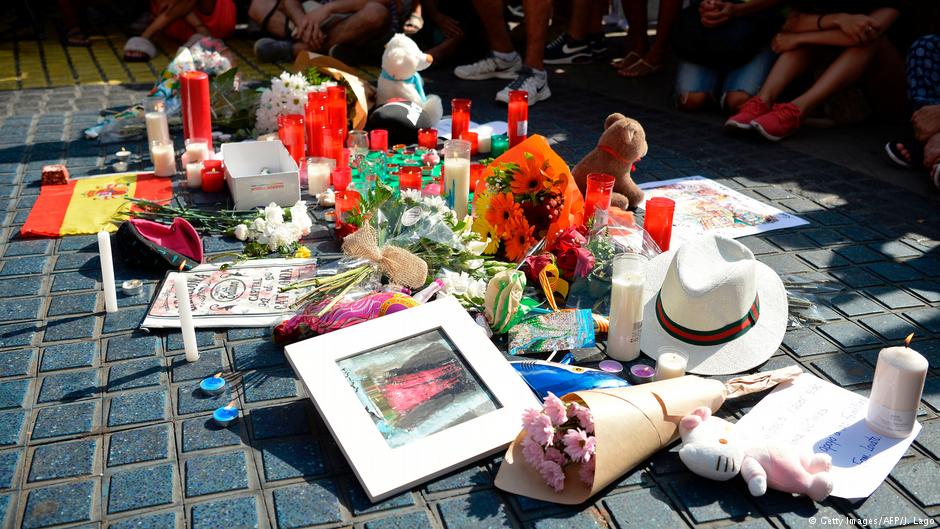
pixel 89 205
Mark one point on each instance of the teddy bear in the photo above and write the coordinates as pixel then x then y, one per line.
pixel 400 78
pixel 622 143
pixel 712 449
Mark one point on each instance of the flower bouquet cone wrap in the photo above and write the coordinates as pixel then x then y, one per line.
pixel 363 90
pixel 630 425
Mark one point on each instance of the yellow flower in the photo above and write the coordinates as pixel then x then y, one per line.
pixel 302 253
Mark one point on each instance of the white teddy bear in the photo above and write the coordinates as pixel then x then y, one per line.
pixel 401 62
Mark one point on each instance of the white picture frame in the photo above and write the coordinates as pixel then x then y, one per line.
pixel 384 470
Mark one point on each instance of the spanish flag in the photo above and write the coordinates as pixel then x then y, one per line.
pixel 89 205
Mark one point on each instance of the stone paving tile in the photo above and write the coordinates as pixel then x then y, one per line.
pixel 847 334
pixel 306 504
pixel 926 318
pixel 66 356
pixel 279 421
pixel 67 419
pixel 63 460
pixel 70 328
pixel 478 509
pixel 216 473
pixel 135 374
pixel 844 370
pixel 150 443
pixel 202 433
pixel 292 458
pixel 411 520
pixel 190 399
pixel 856 277
pixel 11 427
pixel 17 363
pixel 238 511
pixel 886 499
pixel 888 326
pixel 73 281
pixel 927 290
pixel 860 254
pixel 136 408
pixel 140 488
pixel 72 304
pixel 269 385
pixel 161 520
pixel 894 271
pixel 893 297
pixel 853 304
pixel 21 286
pixel 804 342
pixel 210 363
pixel 60 504
pixel 9 468
pixel 136 345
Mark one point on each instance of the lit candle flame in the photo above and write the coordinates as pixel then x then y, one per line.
pixel 230 405
pixel 217 375
pixel 907 341
pixel 183 265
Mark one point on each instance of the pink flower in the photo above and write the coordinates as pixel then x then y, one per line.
pixel 556 455
pixel 586 472
pixel 553 475
pixel 529 416
pixel 578 445
pixel 532 451
pixel 555 409
pixel 583 414
pixel 541 429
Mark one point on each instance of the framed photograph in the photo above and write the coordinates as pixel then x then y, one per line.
pixel 412 395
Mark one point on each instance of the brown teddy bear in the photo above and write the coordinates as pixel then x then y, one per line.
pixel 622 143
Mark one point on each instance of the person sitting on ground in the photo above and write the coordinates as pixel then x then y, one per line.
pixel 852 29
pixel 584 40
pixel 923 88
pixel 314 26
pixel 453 31
pixel 721 44
pixel 504 63
pixel 182 21
pixel 641 58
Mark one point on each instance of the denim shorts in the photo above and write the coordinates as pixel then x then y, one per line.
pixel 746 78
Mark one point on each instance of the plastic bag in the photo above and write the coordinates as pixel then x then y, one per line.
pixel 809 299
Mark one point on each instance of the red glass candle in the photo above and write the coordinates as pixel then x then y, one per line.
pixel 518 116
pixel 476 176
pixel 597 194
pixel 459 117
pixel 474 140
pixel 213 176
pixel 427 138
pixel 409 177
pixel 316 119
pixel 346 202
pixel 333 144
pixel 378 140
pixel 290 129
pixel 196 105
pixel 341 177
pixel 658 220
pixel 336 105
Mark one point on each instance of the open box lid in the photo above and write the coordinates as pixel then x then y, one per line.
pixel 249 158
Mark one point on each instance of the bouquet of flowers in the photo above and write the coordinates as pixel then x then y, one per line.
pixel 557 437
pixel 529 195
pixel 276 229
pixel 287 95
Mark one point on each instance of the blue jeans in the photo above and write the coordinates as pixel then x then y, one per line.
pixel 923 71
pixel 746 78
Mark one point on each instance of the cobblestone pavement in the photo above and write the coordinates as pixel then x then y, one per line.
pixel 101 427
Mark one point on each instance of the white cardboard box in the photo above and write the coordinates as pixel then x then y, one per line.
pixel 244 162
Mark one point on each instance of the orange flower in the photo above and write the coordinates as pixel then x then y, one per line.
pixel 503 209
pixel 526 182
pixel 518 239
pixel 555 183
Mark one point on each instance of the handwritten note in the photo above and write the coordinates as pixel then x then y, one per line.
pixel 812 413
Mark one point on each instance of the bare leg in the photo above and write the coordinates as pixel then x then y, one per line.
pixel 537 14
pixel 693 101
pixel 734 100
pixel 363 26
pixel 491 14
pixel 276 24
pixel 885 84
pixel 586 18
pixel 178 9
pixel 668 14
pixel 845 70
pixel 788 67
pixel 635 12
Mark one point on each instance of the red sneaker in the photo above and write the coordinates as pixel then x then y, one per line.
pixel 751 110
pixel 780 122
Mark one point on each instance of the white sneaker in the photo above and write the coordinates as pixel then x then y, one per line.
pixel 526 79
pixel 489 68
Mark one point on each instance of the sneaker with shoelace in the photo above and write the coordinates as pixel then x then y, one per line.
pixel 752 109
pixel 491 67
pixel 780 122
pixel 536 85
pixel 566 50
pixel 598 43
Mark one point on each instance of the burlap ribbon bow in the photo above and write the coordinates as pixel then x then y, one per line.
pixel 401 266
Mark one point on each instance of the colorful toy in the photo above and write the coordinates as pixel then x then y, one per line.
pixel 400 78
pixel 543 377
pixel 711 449
pixel 319 318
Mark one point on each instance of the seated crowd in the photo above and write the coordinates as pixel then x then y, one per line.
pixel 772 65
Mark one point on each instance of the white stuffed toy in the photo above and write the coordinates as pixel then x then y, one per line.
pixel 711 449
pixel 401 62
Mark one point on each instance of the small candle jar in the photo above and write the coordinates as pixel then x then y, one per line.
pixel 476 177
pixel 214 385
pixel 155 119
pixel 341 178
pixel 671 363
pixel 333 144
pixel 484 139
pixel 315 118
pixel 163 158
pixel 197 150
pixel 473 139
pixel 610 366
pixel 357 141
pixel 132 287
pixel 123 156
pixel 518 116
pixel 194 175
pixel 427 138
pixel 378 140
pixel 896 391
pixel 213 176
pixel 409 177
pixel 318 174
pixel 347 202
pixel 657 220
pixel 459 117
pixel 336 108
pixel 500 144
pixel 225 416
pixel 641 373
pixel 290 130
pixel 597 194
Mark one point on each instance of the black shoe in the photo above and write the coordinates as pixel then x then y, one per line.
pixel 565 50
pixel 598 44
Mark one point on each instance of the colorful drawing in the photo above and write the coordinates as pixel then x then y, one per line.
pixel 244 295
pixel 416 387
pixel 704 206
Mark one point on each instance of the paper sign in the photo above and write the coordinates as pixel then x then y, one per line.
pixel 813 414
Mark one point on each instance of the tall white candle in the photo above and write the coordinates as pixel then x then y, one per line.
pixel 107 271
pixel 157 127
pixel 197 150
pixel 163 158
pixel 318 177
pixel 670 364
pixel 186 317
pixel 194 175
pixel 457 184
pixel 896 391
pixel 626 307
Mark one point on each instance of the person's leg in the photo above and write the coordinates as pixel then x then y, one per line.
pixel 637 40
pixel 923 72
pixel 504 63
pixel 364 25
pixel 271 19
pixel 786 69
pixel 745 81
pixel 178 9
pixel 845 70
pixel 584 19
pixel 695 85
pixel 537 14
pixel 652 61
pixel 491 14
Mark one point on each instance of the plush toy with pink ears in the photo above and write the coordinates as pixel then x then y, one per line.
pixel 711 449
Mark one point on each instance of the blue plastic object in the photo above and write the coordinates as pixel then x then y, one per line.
pixel 544 377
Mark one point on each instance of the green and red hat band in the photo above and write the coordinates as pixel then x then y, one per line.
pixel 705 338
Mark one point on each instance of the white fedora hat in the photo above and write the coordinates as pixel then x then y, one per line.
pixel 713 301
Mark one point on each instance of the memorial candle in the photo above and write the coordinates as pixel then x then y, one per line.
pixel 163 158
pixel 671 363
pixel 155 118
pixel 626 307
pixel 378 140
pixel 427 138
pixel 197 150
pixel 107 271
pixel 657 220
pixel 290 129
pixel 213 176
pixel 500 144
pixel 518 116
pixel 196 105
pixel 896 391
pixel 484 139
pixel 333 145
pixel 336 105
pixel 473 139
pixel 597 194
pixel 316 119
pixel 459 117
pixel 457 176
pixel 318 174
pixel 187 326
pixel 194 175
pixel 409 177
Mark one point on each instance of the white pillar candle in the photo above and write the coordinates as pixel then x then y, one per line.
pixel 457 184
pixel 186 317
pixel 670 364
pixel 163 158
pixel 896 391
pixel 626 307
pixel 107 271
pixel 197 150
pixel 318 177
pixel 194 175
pixel 484 139
pixel 157 127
